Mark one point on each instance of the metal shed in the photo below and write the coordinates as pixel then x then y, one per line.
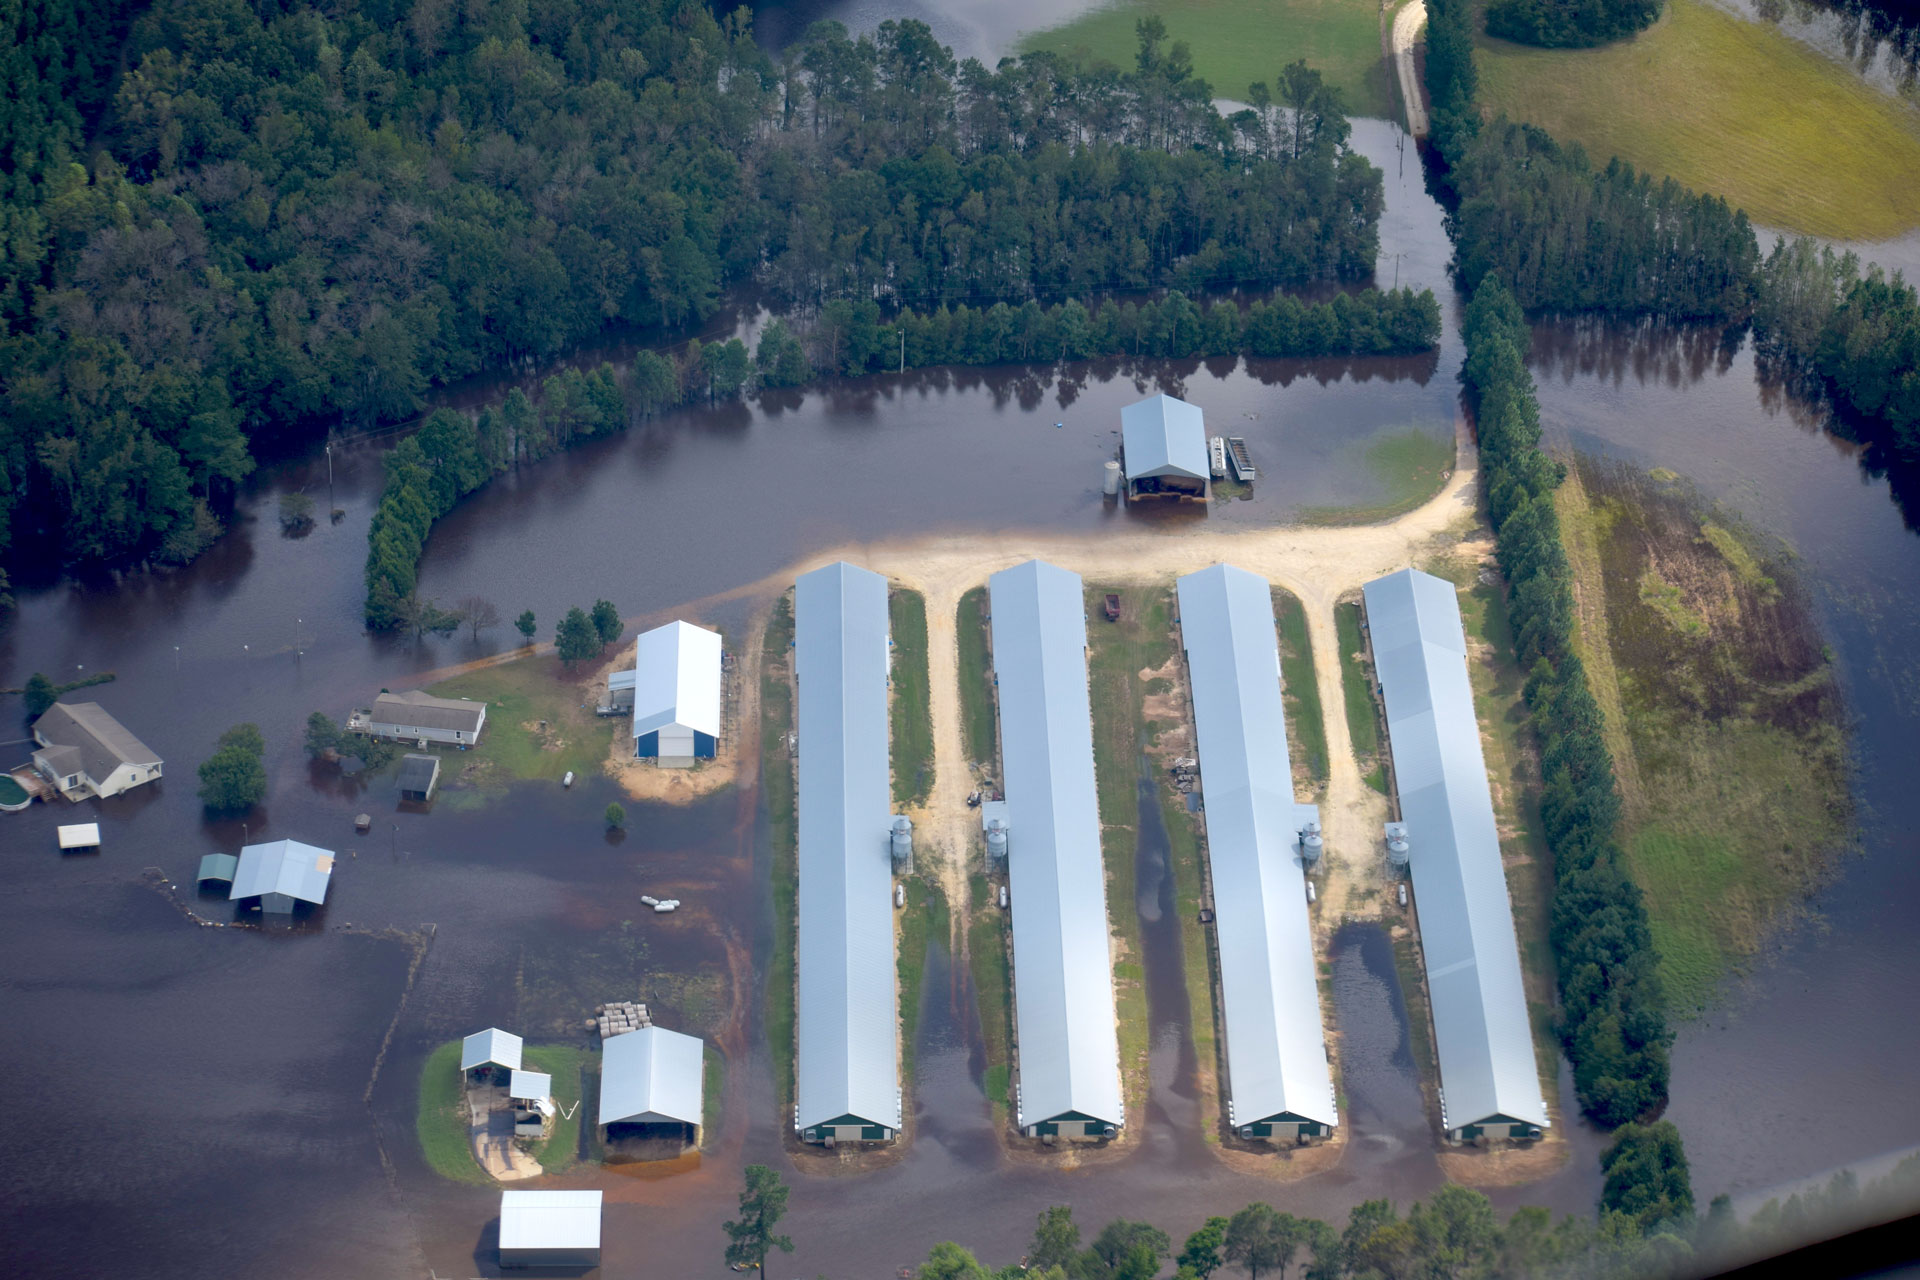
pixel 676 693
pixel 1069 1082
pixel 652 1076
pixel 281 874
pixel 1489 1079
pixel 419 775
pixel 492 1047
pixel 80 835
pixel 1279 1084
pixel 1163 445
pixel 848 1076
pixel 549 1228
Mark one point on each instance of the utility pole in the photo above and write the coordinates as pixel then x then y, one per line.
pixel 329 479
pixel 903 351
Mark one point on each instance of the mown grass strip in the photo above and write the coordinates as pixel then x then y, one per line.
pixel 1363 715
pixel 979 717
pixel 1306 719
pixel 777 788
pixel 911 705
pixel 923 924
pixel 992 974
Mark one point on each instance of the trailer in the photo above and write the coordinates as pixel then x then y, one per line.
pixel 1240 460
pixel 1217 456
pixel 1113 607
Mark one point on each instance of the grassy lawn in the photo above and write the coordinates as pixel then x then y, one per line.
pixel 987 961
pixel 912 709
pixel 1363 714
pixel 441 1123
pixel 979 718
pixel 713 1087
pixel 1718 693
pixel 569 1065
pixel 1236 42
pixel 513 747
pixel 1727 106
pixel 777 785
pixel 1410 467
pixel 922 921
pixel 1306 721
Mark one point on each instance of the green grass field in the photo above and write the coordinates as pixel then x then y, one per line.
pixel 777 785
pixel 1410 466
pixel 713 1087
pixel 519 695
pixel 922 921
pixel 993 990
pixel 565 1063
pixel 1306 720
pixel 912 709
pixel 1363 716
pixel 1236 42
pixel 1731 107
pixel 441 1123
pixel 979 718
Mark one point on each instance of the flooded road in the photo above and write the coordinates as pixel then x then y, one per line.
pixel 246 1099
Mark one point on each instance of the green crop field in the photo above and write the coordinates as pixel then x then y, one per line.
pixel 1236 42
pixel 1727 106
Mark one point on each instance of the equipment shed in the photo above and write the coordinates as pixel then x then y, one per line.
pixel 676 693
pixel 281 874
pixel 1163 446
pixel 652 1077
pixel 549 1228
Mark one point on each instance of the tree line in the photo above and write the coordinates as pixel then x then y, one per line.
pixel 284 216
pixel 1570 24
pixel 1612 1020
pixel 453 455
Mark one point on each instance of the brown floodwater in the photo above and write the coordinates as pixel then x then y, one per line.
pixel 243 1099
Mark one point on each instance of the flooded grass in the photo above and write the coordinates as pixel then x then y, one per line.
pixel 1410 467
pixel 1236 42
pixel 441 1124
pixel 520 697
pixel 1306 719
pixel 979 718
pixel 987 962
pixel 1729 106
pixel 713 1087
pixel 1363 713
pixel 1723 712
pixel 777 787
pixel 923 924
pixel 570 1065
pixel 911 708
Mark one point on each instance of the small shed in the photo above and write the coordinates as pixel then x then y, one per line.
pixel 531 1095
pixel 483 1051
pixel 282 873
pixel 219 867
pixel 80 835
pixel 676 693
pixel 652 1078
pixel 419 775
pixel 1163 447
pixel 549 1228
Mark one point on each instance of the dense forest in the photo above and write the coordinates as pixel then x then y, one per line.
pixel 1569 24
pixel 1613 1013
pixel 290 216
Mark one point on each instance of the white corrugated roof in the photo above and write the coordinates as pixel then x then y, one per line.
pixel 549 1219
pixel 846 1009
pixel 1062 959
pixel 1162 436
pixel 493 1045
pixel 650 1075
pixel 529 1084
pixel 677 679
pixel 283 866
pixel 80 835
pixel 1276 1047
pixel 1485 1041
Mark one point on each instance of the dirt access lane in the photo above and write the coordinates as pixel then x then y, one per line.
pixel 1406 26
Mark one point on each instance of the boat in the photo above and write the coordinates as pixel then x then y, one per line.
pixel 1240 460
pixel 1217 456
pixel 568 780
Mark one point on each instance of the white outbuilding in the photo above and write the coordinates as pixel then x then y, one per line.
pixel 549 1228
pixel 653 1077
pixel 1163 447
pixel 491 1053
pixel 281 874
pixel 676 693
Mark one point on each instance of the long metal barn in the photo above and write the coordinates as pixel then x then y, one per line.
pixel 1489 1081
pixel 1069 1051
pixel 847 1077
pixel 1279 1085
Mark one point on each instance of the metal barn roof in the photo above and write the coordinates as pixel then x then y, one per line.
pixel 492 1045
pixel 549 1220
pixel 284 866
pixel 1162 436
pixel 677 679
pixel 80 835
pixel 1467 938
pixel 846 1003
pixel 414 709
pixel 1062 960
pixel 1276 1047
pixel 530 1084
pixel 649 1076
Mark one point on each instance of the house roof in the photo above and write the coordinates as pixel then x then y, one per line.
pixel 549 1220
pixel 62 761
pixel 1162 436
pixel 1276 1047
pixel 283 866
pixel 424 711
pixel 1467 938
pixel 847 1060
pixel 677 679
pixel 103 743
pixel 1062 964
pixel 651 1075
pixel 529 1084
pixel 418 772
pixel 503 1048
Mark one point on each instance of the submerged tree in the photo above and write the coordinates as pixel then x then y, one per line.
pixel 232 779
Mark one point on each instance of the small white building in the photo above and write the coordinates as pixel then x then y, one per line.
pixel 549 1228
pixel 80 835
pixel 676 693
pixel 282 873
pixel 420 717
pixel 85 752
pixel 1163 447
pixel 531 1095
pixel 651 1077
pixel 483 1051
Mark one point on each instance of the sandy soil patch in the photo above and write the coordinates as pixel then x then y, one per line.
pixel 1506 1165
pixel 1285 1164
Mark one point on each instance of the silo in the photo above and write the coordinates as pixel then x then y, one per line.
pixel 1398 847
pixel 1110 485
pixel 997 839
pixel 1310 843
pixel 902 840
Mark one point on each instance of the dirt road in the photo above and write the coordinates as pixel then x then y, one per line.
pixel 1406 25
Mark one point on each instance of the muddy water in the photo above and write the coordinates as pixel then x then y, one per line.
pixel 1174 1120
